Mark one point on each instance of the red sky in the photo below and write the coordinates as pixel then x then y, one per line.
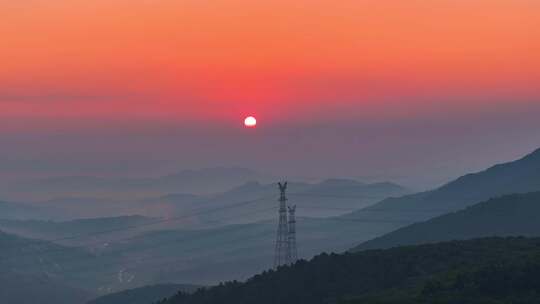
pixel 78 63
pixel 222 58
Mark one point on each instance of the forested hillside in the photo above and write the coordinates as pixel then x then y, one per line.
pixel 143 295
pixel 414 274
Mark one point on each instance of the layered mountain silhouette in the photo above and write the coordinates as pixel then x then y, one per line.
pixel 203 239
pixel 510 215
pixel 21 211
pixel 44 270
pixel 230 235
pixel 63 232
pixel 202 181
pixel 330 197
pixel 520 176
pixel 327 198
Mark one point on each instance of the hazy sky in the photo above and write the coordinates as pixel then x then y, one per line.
pixel 417 91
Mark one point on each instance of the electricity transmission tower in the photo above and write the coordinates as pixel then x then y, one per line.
pixel 293 252
pixel 282 241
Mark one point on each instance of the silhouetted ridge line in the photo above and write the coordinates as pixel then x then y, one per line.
pixel 399 275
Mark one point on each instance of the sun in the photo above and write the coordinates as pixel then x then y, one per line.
pixel 250 122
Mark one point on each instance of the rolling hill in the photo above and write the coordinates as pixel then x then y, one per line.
pixel 328 198
pixel 22 211
pixel 520 176
pixel 39 288
pixel 510 215
pixel 434 273
pixel 208 256
pixel 225 245
pixel 230 237
pixel 204 181
pixel 35 256
pixel 62 232
pixel 44 270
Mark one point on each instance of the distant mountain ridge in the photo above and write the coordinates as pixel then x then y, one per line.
pixel 510 215
pixel 21 211
pixel 49 230
pixel 341 195
pixel 520 176
pixel 203 181
pixel 216 245
pixel 199 233
pixel 324 199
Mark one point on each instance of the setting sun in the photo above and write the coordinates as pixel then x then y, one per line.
pixel 250 122
pixel 131 153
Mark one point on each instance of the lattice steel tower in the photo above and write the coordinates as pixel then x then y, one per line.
pixel 281 253
pixel 293 252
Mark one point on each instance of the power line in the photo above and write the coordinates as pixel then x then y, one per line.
pixel 343 196
pixel 68 248
pixel 167 220
pixel 177 218
pixel 187 238
pixel 169 243
pixel 192 249
pixel 368 209
pixel 243 203
pixel 229 206
pixel 198 212
pixel 344 219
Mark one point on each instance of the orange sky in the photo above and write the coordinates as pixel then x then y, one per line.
pixel 191 58
pixel 425 89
